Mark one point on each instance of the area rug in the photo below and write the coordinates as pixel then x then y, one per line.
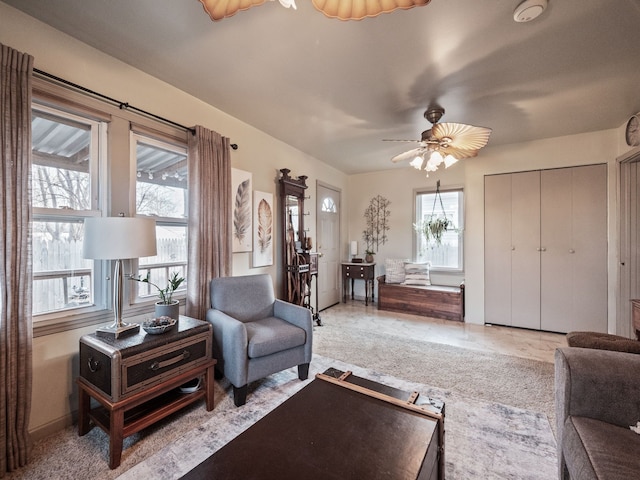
pixel 483 440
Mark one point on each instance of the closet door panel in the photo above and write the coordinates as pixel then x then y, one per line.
pixel 556 242
pixel 497 249
pixel 525 257
pixel 589 302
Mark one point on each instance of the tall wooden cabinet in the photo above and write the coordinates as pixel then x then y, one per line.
pixel 546 249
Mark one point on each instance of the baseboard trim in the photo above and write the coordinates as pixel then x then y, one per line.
pixel 55 426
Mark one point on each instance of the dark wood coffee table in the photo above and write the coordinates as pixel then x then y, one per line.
pixel 340 426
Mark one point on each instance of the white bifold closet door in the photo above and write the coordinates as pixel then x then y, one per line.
pixel 546 249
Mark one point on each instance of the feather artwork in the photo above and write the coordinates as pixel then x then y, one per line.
pixel 265 225
pixel 242 211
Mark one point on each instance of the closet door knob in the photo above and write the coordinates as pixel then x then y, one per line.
pixel 571 250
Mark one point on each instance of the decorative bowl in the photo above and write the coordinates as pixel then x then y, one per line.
pixel 158 325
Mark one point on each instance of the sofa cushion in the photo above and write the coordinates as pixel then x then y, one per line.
pixel 416 274
pixel 394 270
pixel 271 335
pixel 597 450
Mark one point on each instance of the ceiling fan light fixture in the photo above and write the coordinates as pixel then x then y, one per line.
pixel 359 9
pixel 449 160
pixel 417 162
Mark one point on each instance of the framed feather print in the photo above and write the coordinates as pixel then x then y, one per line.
pixel 262 229
pixel 241 225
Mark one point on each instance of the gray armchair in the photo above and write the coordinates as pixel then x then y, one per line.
pixel 255 334
pixel 597 396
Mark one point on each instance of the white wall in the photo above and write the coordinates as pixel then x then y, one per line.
pixel 55 356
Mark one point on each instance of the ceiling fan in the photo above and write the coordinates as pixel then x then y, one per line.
pixel 443 143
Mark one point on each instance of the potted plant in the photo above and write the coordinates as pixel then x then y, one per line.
pixel 368 256
pixel 166 306
pixel 434 228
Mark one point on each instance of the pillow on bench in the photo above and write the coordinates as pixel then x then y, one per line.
pixel 416 274
pixel 394 270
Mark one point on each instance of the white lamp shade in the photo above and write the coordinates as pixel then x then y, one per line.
pixel 354 248
pixel 119 238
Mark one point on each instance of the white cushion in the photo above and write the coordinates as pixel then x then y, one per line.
pixel 394 270
pixel 416 274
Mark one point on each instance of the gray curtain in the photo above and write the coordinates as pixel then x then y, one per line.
pixel 209 216
pixel 16 270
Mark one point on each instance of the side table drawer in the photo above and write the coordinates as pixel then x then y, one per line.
pixel 153 367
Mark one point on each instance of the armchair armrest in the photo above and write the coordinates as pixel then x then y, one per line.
pixel 599 384
pixel 230 343
pixel 298 316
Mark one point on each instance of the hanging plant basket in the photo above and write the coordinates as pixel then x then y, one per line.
pixel 437 225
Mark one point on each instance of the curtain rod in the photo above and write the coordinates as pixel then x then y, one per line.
pixel 121 105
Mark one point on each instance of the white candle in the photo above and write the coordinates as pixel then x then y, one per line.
pixel 354 248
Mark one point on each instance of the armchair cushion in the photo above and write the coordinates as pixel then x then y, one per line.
pixel 271 335
pixel 603 341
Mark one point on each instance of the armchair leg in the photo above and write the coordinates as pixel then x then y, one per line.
pixel 239 395
pixel 303 371
pixel 218 374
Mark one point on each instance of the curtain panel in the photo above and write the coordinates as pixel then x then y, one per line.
pixel 209 216
pixel 16 269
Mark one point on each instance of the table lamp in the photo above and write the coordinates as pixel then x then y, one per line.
pixel 118 238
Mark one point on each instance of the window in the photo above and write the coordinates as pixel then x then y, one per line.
pixel 161 192
pixel 328 205
pixel 448 254
pixel 64 181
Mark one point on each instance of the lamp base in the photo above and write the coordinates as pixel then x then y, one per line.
pixel 116 331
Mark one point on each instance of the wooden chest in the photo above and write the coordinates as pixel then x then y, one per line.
pixel 340 426
pixel 119 368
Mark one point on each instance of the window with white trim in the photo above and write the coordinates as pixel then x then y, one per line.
pixel 161 192
pixel 447 255
pixel 65 182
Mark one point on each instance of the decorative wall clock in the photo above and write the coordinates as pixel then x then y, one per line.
pixel 632 132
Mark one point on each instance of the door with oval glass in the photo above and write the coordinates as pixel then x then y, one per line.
pixel 328 231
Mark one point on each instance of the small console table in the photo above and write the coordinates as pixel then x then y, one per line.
pixel 358 271
pixel 136 379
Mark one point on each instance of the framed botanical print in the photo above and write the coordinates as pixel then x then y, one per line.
pixel 241 226
pixel 262 229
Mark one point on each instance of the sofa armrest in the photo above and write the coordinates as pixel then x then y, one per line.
pixel 598 384
pixel 229 343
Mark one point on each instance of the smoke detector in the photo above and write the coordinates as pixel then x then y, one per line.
pixel 529 10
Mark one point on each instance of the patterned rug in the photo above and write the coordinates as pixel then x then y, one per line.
pixel 483 440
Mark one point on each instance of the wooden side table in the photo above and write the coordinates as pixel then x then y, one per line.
pixel 136 379
pixel 358 271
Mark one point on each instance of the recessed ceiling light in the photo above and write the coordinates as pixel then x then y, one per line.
pixel 529 10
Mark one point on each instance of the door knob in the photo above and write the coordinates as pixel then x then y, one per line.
pixel 571 250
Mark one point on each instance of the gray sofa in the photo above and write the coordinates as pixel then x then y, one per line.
pixel 597 399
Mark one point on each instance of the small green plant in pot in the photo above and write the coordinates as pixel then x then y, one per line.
pixel 166 306
pixel 368 256
pixel 434 228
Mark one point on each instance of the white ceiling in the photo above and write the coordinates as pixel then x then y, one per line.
pixel 335 89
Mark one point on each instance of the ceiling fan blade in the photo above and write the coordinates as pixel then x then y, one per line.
pixel 463 137
pixel 219 9
pixel 352 10
pixel 396 140
pixel 458 153
pixel 409 155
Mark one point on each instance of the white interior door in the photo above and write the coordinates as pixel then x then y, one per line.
pixel 328 231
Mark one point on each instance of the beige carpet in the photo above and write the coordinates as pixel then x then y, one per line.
pixel 513 381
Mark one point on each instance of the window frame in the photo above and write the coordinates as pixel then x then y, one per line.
pixel 460 226
pixel 173 146
pixel 97 170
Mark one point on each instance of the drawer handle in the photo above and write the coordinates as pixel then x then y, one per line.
pixel 158 365
pixel 94 365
